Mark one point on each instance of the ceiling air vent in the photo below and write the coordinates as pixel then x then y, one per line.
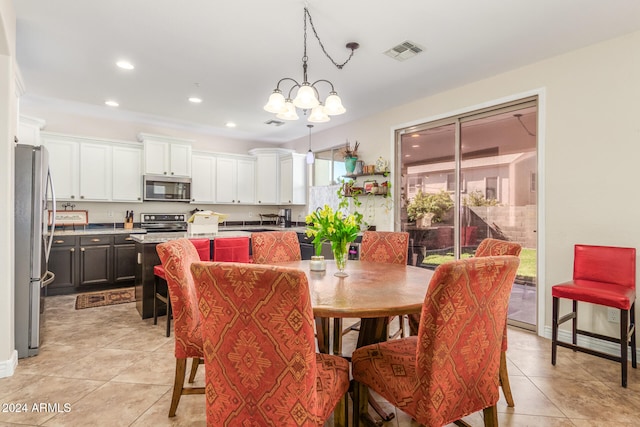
pixel 274 122
pixel 404 50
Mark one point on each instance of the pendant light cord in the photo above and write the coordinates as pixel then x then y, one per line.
pixel 353 46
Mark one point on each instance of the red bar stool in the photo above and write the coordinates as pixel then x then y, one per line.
pixel 203 247
pixel 603 275
pixel 231 249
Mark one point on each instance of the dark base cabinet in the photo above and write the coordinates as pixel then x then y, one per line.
pixel 91 262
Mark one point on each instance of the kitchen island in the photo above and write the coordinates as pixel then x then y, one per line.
pixel 147 257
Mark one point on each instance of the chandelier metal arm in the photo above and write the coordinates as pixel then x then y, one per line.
pixel 313 85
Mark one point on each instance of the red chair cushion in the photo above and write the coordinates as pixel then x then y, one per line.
pixel 596 293
pixel 158 270
pixel 231 249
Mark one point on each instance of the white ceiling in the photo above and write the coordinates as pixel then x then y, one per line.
pixel 237 50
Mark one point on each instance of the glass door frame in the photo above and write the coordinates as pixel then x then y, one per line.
pixel 457 119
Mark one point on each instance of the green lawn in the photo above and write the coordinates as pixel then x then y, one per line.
pixel 527 266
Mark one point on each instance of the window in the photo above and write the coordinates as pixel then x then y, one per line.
pixel 328 167
pixel 491 188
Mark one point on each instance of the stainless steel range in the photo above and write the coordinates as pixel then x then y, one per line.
pixel 163 223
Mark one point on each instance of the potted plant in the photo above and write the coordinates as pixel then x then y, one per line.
pixel 426 208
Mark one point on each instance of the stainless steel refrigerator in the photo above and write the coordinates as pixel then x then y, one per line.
pixel 33 188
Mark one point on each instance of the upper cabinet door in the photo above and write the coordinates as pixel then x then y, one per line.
pixel 267 179
pixel 246 182
pixel 166 156
pixel 63 162
pixel 127 174
pixel 203 179
pixel 226 180
pixel 95 172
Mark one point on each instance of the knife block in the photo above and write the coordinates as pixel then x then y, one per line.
pixel 128 225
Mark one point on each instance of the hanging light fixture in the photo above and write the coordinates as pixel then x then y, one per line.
pixel 310 157
pixel 307 96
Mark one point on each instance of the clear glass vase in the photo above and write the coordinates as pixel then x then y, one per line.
pixel 340 254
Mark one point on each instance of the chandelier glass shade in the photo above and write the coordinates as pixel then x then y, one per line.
pixel 305 95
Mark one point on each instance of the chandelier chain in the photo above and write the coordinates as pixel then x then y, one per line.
pixel 315 33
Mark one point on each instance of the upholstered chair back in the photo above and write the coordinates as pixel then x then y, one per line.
pixel 389 247
pixel 177 257
pixel 494 247
pixel 259 348
pixel 275 246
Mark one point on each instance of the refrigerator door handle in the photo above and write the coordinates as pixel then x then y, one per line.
pixel 53 213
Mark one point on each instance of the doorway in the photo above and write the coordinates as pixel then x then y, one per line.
pixel 469 177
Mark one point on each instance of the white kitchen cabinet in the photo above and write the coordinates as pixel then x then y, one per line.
pixel 64 165
pixel 95 172
pixel 235 179
pixel 293 179
pixel 166 156
pixel 127 173
pixel 203 178
pixel 267 178
pixel 93 169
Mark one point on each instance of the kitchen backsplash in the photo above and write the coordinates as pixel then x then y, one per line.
pixel 115 212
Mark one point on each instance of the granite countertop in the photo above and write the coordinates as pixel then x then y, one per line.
pixel 230 231
pixel 94 231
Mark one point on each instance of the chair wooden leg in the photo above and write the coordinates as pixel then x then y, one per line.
pixel 168 314
pixel 504 380
pixel 178 384
pixel 491 416
pixel 574 328
pixel 194 369
pixel 340 412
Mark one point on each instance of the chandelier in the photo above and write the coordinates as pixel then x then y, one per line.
pixel 305 95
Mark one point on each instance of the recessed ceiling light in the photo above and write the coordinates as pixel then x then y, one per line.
pixel 415 146
pixel 111 103
pixel 195 100
pixel 415 135
pixel 125 65
pixel 230 124
pixel 407 155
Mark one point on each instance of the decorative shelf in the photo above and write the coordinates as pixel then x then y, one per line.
pixel 357 175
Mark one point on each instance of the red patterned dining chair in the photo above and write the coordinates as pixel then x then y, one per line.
pixel 492 247
pixel 275 246
pixel 387 247
pixel 606 276
pixel 177 257
pixel 451 368
pixel 203 246
pixel 231 249
pixel 261 366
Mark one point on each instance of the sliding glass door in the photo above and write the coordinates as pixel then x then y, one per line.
pixel 470 177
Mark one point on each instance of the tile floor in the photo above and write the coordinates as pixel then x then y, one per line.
pixel 112 369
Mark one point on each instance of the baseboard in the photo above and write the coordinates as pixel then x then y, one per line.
pixel 8 367
pixel 589 342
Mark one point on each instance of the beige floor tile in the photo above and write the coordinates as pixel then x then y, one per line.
pixel 528 399
pixel 153 368
pixel 191 413
pixel 113 404
pixel 101 364
pixel 46 390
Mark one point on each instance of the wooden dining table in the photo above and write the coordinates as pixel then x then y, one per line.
pixel 372 291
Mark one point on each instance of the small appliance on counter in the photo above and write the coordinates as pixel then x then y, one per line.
pixel 285 218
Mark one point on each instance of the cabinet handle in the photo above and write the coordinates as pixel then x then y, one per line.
pixel 138 198
pixel 72 250
pixel 57 242
pixel 171 173
pixel 73 197
pixel 95 240
pixel 165 172
pixel 81 249
pixel 128 238
pixel 82 197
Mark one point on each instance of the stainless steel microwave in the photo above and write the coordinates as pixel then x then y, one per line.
pixel 167 188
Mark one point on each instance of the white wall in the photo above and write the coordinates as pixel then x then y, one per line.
pixel 590 128
pixel 8 128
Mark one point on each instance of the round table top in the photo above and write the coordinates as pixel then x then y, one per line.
pixel 372 289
